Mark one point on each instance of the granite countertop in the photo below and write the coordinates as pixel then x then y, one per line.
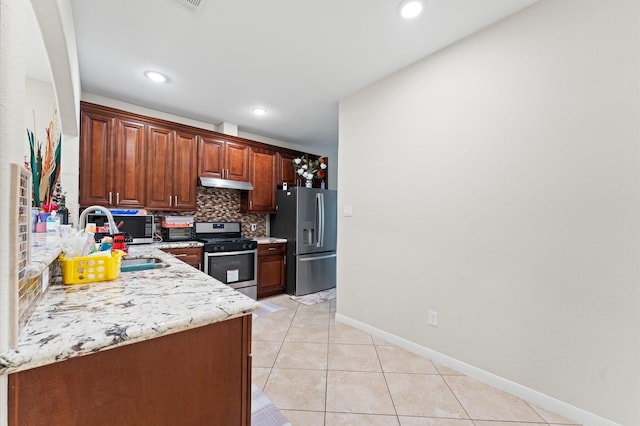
pixel 177 244
pixel 270 240
pixel 42 255
pixel 75 320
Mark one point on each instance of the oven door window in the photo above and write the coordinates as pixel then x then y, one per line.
pixel 231 267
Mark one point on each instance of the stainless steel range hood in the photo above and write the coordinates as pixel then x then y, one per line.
pixel 225 183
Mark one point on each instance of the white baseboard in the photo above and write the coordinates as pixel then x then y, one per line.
pixel 561 408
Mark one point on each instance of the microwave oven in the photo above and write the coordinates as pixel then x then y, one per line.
pixel 179 234
pixel 139 227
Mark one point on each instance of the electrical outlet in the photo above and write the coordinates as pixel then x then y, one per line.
pixel 433 318
pixel 254 226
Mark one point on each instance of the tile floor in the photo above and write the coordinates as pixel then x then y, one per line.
pixel 320 372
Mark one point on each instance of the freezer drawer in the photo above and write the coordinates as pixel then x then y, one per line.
pixel 315 272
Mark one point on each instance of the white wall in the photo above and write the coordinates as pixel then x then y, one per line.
pixel 504 174
pixel 12 136
pixel 60 45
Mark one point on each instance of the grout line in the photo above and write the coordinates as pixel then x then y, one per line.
pixel 384 376
pixel 455 396
pixel 326 375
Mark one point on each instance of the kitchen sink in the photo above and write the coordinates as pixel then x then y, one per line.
pixel 141 263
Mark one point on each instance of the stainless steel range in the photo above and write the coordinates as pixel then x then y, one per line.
pixel 228 257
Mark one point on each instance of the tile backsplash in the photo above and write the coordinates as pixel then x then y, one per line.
pixel 223 205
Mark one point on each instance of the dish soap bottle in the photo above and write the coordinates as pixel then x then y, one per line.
pixel 53 229
pixel 63 212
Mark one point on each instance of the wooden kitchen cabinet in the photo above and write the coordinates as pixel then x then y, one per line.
pixel 201 376
pixel 262 175
pixel 190 255
pixel 171 169
pixel 112 159
pixel 223 159
pixel 272 274
pixel 286 173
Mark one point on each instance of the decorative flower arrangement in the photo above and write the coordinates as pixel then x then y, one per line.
pixel 44 164
pixel 309 169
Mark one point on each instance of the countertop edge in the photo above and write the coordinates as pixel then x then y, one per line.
pixel 35 348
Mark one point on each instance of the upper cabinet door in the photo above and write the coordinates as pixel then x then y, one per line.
pixel 237 161
pixel 129 162
pixel 185 170
pixel 96 154
pixel 285 169
pixel 262 199
pixel 211 157
pixel 160 168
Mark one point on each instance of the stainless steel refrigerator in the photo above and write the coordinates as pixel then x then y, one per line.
pixel 307 218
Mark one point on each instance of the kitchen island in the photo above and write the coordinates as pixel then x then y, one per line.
pixel 160 346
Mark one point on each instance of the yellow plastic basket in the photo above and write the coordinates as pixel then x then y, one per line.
pixel 91 269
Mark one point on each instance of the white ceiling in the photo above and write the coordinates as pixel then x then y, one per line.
pixel 296 58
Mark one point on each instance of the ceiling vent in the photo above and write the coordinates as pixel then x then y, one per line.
pixel 195 6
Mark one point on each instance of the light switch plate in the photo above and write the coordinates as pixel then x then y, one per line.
pixel 348 211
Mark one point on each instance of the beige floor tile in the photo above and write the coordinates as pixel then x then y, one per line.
pixel 550 417
pixel 430 421
pixel 311 317
pixel 259 376
pixel 497 423
pixel 446 370
pixel 358 392
pixel 302 355
pixel 291 389
pixel 317 307
pixel 283 301
pixel 309 333
pixel 398 360
pixel 380 342
pixel 304 418
pixel 345 419
pixel 353 357
pixel 264 353
pixel 423 395
pixel 484 402
pixel 272 327
pixel 342 333
pixel 333 305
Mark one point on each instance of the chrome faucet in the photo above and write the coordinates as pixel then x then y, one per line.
pixel 82 222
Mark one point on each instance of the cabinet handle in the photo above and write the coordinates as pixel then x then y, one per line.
pixel 180 255
pixel 175 201
pixel 117 198
pixel 285 260
pixel 110 198
pixel 170 201
pixel 272 248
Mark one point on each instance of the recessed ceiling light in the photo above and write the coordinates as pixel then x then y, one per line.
pixel 155 76
pixel 410 8
pixel 259 111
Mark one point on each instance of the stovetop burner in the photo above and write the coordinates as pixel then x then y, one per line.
pixel 223 240
pixel 223 237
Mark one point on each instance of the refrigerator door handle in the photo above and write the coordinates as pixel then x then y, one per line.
pixel 322 220
pixel 320 227
pixel 319 220
pixel 311 259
